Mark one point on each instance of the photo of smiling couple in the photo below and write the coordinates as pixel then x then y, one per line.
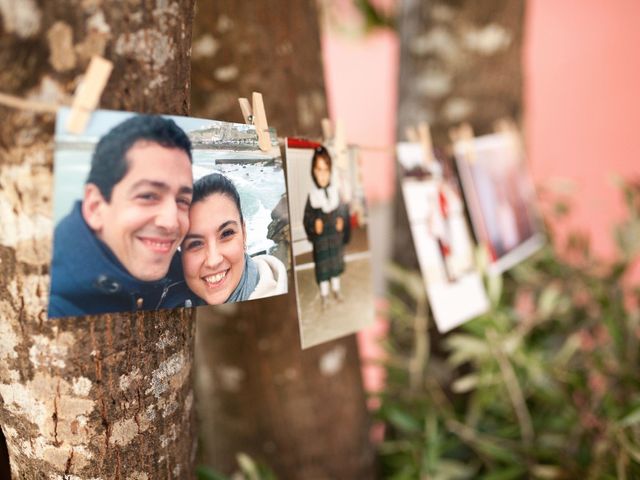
pixel 152 228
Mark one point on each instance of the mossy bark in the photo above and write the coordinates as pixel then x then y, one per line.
pixel 103 396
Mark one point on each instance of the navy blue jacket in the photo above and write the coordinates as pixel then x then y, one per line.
pixel 87 278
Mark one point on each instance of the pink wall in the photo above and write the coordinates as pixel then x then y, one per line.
pixel 582 69
pixel 362 85
pixel 361 77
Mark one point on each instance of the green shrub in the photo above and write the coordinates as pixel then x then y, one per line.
pixel 546 385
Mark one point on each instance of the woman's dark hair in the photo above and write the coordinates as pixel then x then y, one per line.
pixel 216 183
pixel 323 153
pixel 109 164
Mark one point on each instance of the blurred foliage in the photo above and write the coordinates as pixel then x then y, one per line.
pixel 249 469
pixel 546 385
pixel 357 17
pixel 373 16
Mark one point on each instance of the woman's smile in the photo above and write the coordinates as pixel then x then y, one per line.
pixel 215 280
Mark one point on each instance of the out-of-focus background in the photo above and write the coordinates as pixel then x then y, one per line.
pixel 580 113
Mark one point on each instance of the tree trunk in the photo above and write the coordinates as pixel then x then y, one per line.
pixel 103 396
pixel 5 471
pixel 301 412
pixel 460 61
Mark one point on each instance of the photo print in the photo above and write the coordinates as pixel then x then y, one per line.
pixel 329 241
pixel 501 198
pixel 442 239
pixel 154 212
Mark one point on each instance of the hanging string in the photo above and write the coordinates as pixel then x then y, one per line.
pixel 22 104
pixel 381 149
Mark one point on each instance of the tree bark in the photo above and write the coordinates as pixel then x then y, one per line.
pixel 460 61
pixel 5 471
pixel 102 396
pixel 301 412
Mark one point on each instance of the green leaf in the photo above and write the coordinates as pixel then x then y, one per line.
pixel 497 451
pixel 403 420
pixel 561 209
pixel 632 450
pixel 466 348
pixel 628 238
pixel 544 472
pixel 454 470
pixel 206 473
pixel 432 443
pixel 374 16
pixel 494 289
pixel 507 473
pixel 248 466
pixel 631 418
pixel 466 383
pixel 410 281
pixel 548 301
pixel 568 349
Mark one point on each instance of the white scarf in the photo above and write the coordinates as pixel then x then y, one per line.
pixel 326 199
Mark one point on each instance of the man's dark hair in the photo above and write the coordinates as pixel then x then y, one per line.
pixel 216 183
pixel 109 165
pixel 320 153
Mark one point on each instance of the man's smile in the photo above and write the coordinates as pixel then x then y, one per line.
pixel 158 245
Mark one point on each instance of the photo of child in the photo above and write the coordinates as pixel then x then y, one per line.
pixel 325 221
pixel 329 239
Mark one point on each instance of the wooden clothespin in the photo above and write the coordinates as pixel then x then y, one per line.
pixel 255 114
pixel 411 133
pixel 504 125
pixel 508 127
pixel 335 135
pixel 340 144
pixel 422 135
pixel 463 135
pixel 88 93
pixel 327 130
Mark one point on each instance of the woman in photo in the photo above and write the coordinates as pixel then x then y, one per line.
pixel 216 265
pixel 325 222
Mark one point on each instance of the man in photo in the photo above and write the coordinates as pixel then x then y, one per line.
pixel 116 251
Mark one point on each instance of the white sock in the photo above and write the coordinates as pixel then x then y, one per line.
pixel 335 284
pixel 324 288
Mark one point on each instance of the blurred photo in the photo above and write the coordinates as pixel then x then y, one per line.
pixel 443 243
pixel 501 198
